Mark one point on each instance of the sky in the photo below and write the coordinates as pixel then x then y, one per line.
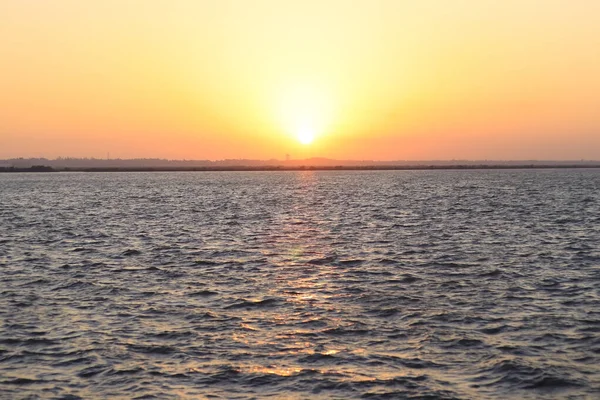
pixel 343 79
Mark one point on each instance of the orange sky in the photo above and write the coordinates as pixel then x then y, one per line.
pixel 387 79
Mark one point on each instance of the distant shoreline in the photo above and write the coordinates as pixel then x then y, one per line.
pixel 41 168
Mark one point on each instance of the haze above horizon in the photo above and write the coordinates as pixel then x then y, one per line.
pixel 377 80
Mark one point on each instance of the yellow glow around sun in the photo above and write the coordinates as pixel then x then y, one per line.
pixel 304 112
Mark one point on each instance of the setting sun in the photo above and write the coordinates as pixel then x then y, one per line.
pixel 305 110
pixel 306 135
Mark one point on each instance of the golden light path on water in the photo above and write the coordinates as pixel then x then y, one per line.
pixel 308 285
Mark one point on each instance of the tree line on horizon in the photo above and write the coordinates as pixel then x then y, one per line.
pixel 81 163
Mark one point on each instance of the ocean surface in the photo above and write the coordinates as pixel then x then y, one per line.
pixel 300 285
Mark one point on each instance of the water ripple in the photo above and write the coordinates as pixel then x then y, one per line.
pixel 375 285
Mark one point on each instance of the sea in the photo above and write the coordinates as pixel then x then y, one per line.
pixel 458 284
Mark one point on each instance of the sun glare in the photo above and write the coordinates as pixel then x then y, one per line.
pixel 305 111
pixel 305 135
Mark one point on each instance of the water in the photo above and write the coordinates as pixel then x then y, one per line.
pixel 398 284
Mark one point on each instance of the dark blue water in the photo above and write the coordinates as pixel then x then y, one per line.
pixel 400 284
